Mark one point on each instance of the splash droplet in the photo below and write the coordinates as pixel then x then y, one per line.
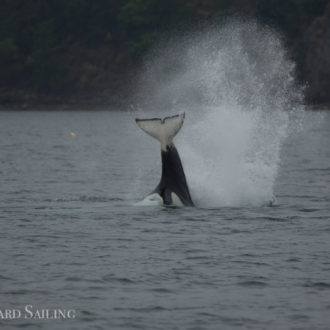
pixel 235 82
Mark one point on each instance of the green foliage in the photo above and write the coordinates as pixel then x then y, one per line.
pixel 143 20
pixel 36 37
pixel 135 19
pixel 8 49
pixel 10 59
pixel 290 15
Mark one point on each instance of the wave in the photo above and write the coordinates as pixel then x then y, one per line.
pixel 236 84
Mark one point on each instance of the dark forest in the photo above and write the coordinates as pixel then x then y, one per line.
pixel 79 51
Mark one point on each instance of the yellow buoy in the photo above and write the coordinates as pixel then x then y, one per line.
pixel 72 134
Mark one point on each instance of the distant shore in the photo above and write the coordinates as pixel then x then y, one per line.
pixel 62 107
pixel 105 100
pixel 102 107
pixel 30 101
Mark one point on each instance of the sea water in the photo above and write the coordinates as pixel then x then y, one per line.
pixel 71 239
pixel 253 253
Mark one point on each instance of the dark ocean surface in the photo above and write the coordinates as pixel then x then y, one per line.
pixel 71 239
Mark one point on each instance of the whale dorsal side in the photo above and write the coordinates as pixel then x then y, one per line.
pixel 172 190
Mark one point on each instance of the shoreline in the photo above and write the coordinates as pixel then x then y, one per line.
pixel 117 106
pixel 63 107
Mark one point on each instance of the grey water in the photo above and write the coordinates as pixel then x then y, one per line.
pixel 71 239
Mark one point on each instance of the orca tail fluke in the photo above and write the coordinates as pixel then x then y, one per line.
pixel 164 130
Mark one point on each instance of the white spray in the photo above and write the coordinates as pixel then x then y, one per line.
pixel 237 87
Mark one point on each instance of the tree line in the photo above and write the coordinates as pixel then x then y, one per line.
pixel 42 42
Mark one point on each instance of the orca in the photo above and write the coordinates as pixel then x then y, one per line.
pixel 172 189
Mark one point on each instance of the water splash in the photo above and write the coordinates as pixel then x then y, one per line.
pixel 237 87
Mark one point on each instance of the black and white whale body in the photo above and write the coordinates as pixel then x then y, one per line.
pixel 172 189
